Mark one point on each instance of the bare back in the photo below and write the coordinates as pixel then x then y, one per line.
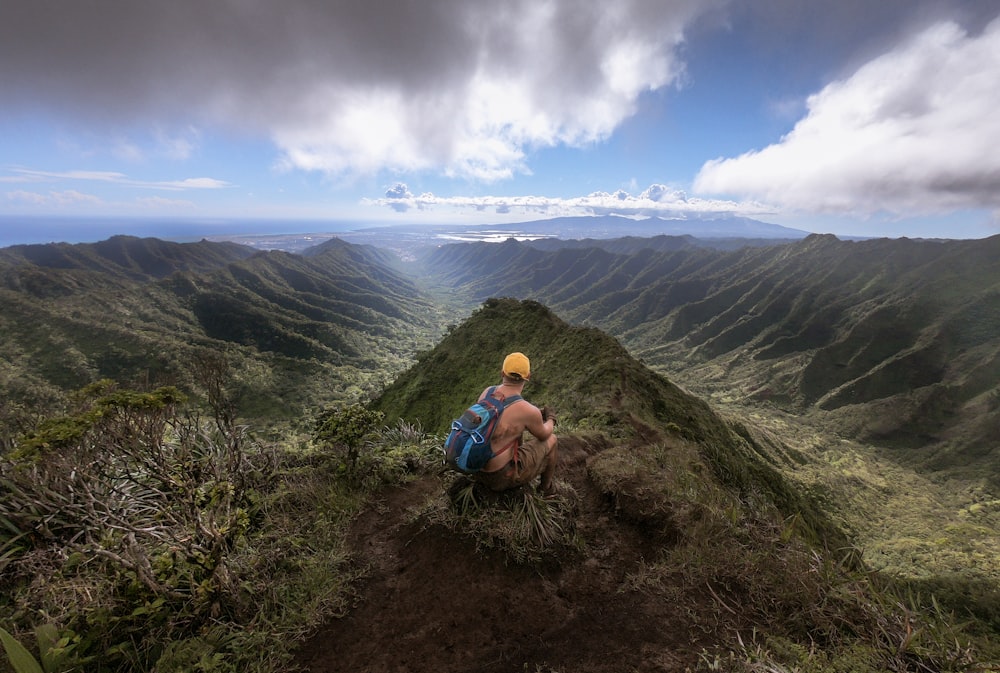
pixel 516 418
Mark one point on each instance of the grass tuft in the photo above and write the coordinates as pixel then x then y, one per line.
pixel 524 525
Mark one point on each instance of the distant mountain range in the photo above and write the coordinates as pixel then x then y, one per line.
pixel 719 233
pixel 895 342
pixel 294 331
pixel 613 226
pixel 405 240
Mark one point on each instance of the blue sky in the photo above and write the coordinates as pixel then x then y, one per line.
pixel 851 117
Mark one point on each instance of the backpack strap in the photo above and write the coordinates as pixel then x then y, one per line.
pixel 504 401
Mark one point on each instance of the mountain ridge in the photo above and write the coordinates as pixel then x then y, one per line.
pixel 893 341
pixel 144 309
pixel 684 531
pixel 126 256
pixel 897 340
pixel 593 382
pixel 678 515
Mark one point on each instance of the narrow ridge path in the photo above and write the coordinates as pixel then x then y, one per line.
pixel 432 603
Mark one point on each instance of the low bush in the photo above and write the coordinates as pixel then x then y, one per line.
pixel 141 535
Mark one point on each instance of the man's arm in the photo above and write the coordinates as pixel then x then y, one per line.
pixel 533 422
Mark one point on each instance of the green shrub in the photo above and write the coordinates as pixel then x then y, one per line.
pixel 123 523
pixel 347 428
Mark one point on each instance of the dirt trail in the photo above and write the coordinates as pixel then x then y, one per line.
pixel 433 603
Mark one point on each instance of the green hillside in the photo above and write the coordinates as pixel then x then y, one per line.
pixel 595 385
pixel 681 521
pixel 873 363
pixel 735 534
pixel 294 332
pixel 895 342
pixel 122 257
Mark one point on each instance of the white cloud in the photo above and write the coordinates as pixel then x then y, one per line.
pixel 398 197
pixel 25 196
pixel 187 183
pixel 30 175
pixel 68 197
pixel 656 200
pixel 159 204
pixel 20 178
pixel 398 191
pixel 178 146
pixel 912 131
pixel 127 150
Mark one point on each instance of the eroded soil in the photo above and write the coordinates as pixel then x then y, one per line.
pixel 432 602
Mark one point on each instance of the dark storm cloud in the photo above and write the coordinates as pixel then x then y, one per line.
pixel 464 87
pixel 337 85
pixel 119 59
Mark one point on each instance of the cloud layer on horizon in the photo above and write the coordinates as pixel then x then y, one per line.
pixel 655 201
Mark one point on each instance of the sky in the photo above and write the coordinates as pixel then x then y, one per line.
pixel 853 117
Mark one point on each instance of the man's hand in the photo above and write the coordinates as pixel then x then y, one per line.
pixel 548 414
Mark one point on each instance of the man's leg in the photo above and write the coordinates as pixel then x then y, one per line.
pixel 549 471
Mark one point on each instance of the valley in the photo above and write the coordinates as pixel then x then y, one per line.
pixel 858 382
pixel 905 523
pixel 877 362
pixel 882 355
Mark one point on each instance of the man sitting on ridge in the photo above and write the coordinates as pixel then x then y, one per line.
pixel 518 462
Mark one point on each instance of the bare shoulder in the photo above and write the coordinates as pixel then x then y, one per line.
pixel 526 408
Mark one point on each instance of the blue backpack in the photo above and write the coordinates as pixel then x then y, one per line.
pixel 467 448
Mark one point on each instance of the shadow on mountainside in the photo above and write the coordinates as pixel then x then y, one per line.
pixel 432 602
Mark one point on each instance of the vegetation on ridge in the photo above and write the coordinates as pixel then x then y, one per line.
pixel 594 384
pixel 705 516
pixel 721 532
pixel 871 366
pixel 137 534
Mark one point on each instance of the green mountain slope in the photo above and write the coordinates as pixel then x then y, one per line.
pixel 595 385
pixel 123 257
pixel 324 306
pixel 688 530
pixel 893 341
pixel 294 331
pixel 939 536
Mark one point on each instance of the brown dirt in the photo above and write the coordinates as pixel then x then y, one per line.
pixel 431 602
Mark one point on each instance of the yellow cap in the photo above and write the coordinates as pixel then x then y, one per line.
pixel 516 365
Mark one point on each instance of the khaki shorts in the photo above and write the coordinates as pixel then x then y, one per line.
pixel 532 457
